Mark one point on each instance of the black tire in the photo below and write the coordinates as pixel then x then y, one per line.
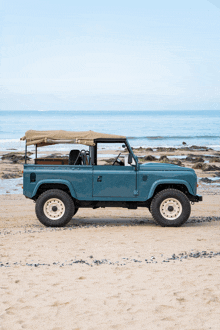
pixel 168 204
pixel 57 212
pixel 76 210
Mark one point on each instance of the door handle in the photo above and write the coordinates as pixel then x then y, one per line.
pixel 99 179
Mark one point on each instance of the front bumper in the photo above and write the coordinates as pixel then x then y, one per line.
pixel 196 198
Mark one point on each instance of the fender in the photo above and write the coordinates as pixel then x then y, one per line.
pixel 170 181
pixel 52 181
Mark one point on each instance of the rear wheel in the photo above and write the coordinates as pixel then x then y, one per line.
pixel 55 208
pixel 170 208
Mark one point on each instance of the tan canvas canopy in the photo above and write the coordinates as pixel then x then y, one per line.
pixel 45 138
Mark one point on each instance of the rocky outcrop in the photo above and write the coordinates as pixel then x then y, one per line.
pixel 164 159
pixel 194 160
pixel 12 175
pixel 149 158
pixel 208 167
pixel 214 160
pixel 16 157
pixel 161 149
pixel 197 166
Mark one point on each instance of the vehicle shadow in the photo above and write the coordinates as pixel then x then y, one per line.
pixel 120 222
pixel 102 222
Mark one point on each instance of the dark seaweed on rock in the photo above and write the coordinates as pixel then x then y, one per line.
pixel 16 157
pixel 57 155
pixel 149 158
pixel 207 167
pixel 206 180
pixel 177 162
pixel 197 166
pixel 195 160
pixel 166 149
pixel 200 148
pixel 214 160
pixel 12 175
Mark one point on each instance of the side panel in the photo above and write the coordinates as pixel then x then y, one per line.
pixel 77 178
pixel 149 180
pixel 81 180
pixel 114 181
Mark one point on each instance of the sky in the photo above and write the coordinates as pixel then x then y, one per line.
pixel 110 55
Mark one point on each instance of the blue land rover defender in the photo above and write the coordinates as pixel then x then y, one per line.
pixel 60 186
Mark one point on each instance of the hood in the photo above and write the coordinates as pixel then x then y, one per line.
pixel 163 167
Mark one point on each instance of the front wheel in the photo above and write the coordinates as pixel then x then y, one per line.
pixel 170 208
pixel 54 208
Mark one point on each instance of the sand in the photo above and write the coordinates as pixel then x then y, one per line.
pixel 109 268
pixel 57 279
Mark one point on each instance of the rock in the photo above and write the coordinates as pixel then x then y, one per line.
pixel 193 147
pixel 184 143
pixel 195 160
pixel 201 148
pixel 57 155
pixel 149 158
pixel 207 167
pixel 197 166
pixel 206 180
pixel 165 149
pixel 12 175
pixel 198 160
pixel 217 174
pixel 164 159
pixel 177 162
pixel 214 160
pixel 149 149
pixel 16 157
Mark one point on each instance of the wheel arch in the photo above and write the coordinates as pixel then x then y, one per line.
pixel 162 185
pixel 45 185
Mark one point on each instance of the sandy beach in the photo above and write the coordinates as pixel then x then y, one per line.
pixel 110 268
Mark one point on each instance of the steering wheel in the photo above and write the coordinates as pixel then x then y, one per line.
pixel 117 160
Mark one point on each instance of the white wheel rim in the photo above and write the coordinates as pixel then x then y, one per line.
pixel 171 209
pixel 54 209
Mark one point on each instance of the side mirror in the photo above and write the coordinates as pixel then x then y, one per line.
pixel 129 158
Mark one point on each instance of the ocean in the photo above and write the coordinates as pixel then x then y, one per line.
pixel 143 128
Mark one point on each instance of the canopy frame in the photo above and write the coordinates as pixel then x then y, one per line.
pixel 47 138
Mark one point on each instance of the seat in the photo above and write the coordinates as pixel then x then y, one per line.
pixel 75 157
pixel 85 157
